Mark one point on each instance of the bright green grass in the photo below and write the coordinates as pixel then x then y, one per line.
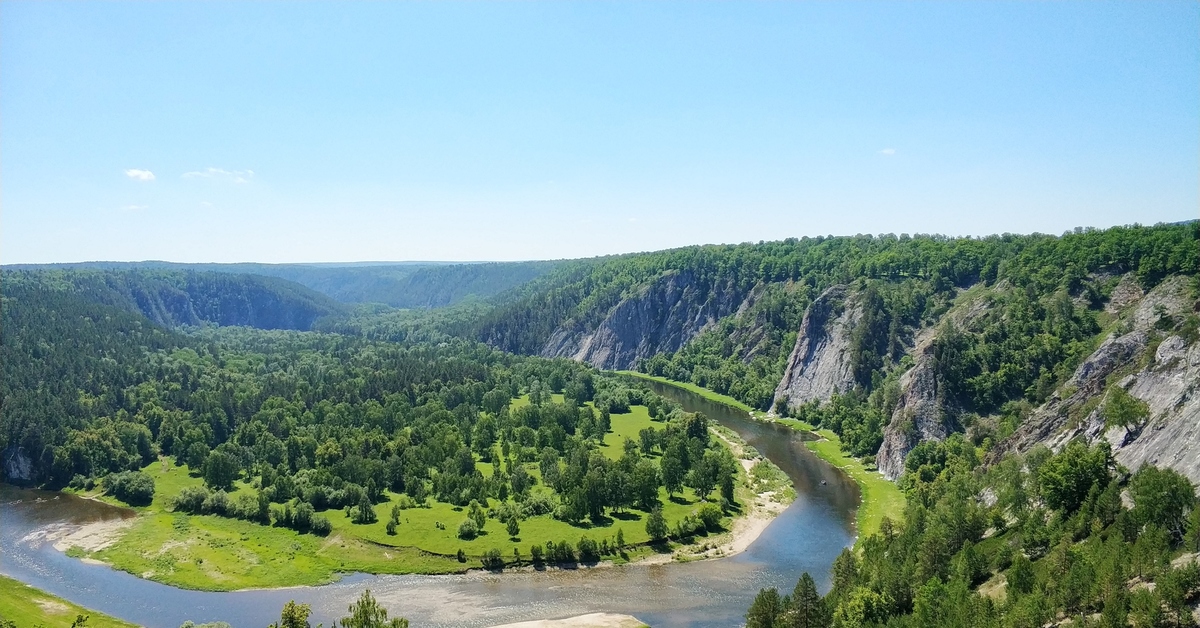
pixel 880 498
pixel 692 388
pixel 216 553
pixel 28 606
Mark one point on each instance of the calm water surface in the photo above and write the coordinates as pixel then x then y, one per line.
pixel 806 537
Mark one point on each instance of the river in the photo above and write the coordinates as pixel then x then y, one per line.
pixel 807 536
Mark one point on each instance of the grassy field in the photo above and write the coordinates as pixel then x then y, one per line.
pixel 216 553
pixel 692 388
pixel 28 607
pixel 880 498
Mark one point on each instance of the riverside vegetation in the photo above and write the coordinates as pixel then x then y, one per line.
pixel 389 414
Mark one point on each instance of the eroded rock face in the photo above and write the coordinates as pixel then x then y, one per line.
pixel 920 413
pixel 1168 383
pixel 18 468
pixel 1086 382
pixel 819 365
pixel 660 319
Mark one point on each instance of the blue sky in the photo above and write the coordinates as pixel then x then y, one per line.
pixel 322 131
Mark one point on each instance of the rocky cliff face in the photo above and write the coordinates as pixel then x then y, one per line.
pixel 819 364
pixel 659 319
pixel 1165 377
pixel 920 414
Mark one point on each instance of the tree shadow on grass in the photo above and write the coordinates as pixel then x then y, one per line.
pixel 681 500
pixel 625 516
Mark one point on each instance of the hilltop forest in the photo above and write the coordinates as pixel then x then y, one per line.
pixel 1032 395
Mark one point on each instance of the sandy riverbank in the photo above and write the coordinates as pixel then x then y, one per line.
pixel 91 537
pixel 591 620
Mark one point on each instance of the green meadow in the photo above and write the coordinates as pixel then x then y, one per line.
pixel 209 552
pixel 33 607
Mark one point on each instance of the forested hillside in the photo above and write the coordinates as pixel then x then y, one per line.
pixel 401 285
pixel 889 341
pixel 1066 539
pixel 310 431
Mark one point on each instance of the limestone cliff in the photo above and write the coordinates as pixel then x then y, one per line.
pixel 1165 377
pixel 819 364
pixel 920 414
pixel 660 318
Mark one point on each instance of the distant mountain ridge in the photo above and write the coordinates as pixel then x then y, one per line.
pixel 398 284
pixel 175 298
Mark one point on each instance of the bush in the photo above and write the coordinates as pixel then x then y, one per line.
pixel 217 503
pixel 492 560
pixel 191 499
pixel 589 550
pixel 467 529
pixel 320 526
pixel 132 487
pixel 710 515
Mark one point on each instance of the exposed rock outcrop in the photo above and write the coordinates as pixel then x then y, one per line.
pixel 1167 382
pixel 659 319
pixel 920 412
pixel 820 365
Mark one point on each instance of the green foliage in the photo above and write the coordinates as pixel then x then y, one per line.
pixel 656 526
pixel 294 616
pixel 132 487
pixel 1066 479
pixel 366 612
pixel 1075 558
pixel 1123 409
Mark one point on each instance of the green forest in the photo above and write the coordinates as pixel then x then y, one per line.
pixel 257 405
pixel 1043 539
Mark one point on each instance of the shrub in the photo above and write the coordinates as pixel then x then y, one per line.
pixel 320 526
pixel 217 503
pixel 492 560
pixel 191 499
pixel 467 529
pixel 132 487
pixel 710 516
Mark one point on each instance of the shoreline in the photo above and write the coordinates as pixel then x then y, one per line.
pixel 878 496
pixel 589 620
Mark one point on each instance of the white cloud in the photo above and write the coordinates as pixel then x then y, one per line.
pixel 139 175
pixel 237 176
pixel 205 204
pixel 134 208
pixel 888 151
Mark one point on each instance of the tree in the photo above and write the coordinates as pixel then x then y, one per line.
pixel 467 529
pixel 764 610
pixel 645 481
pixel 294 616
pixel 1162 497
pixel 220 471
pixel 1066 478
pixel 1123 409
pixel 806 608
pixel 364 512
pixel 367 613
pixel 514 527
pixel 672 471
pixel 656 525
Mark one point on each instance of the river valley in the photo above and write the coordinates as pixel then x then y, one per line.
pixel 807 536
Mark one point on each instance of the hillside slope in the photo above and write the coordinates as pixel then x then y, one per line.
pixel 173 298
pixel 402 285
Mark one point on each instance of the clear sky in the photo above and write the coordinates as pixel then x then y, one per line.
pixel 346 131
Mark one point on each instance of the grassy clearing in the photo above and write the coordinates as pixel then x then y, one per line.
pixel 692 388
pixel 28 606
pixel 216 553
pixel 880 498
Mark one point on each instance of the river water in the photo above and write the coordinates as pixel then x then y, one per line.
pixel 805 537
